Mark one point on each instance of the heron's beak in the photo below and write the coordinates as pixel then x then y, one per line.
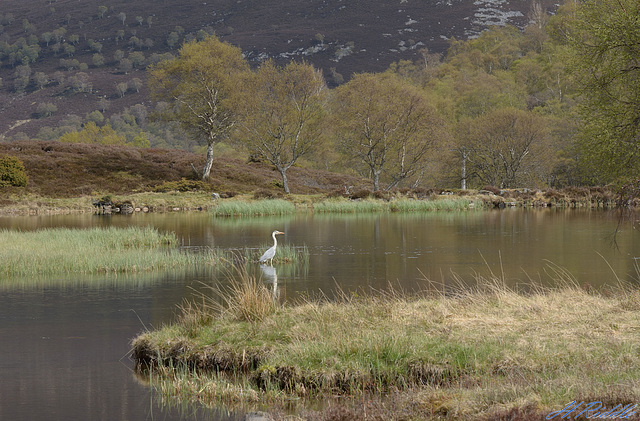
pixel 279 232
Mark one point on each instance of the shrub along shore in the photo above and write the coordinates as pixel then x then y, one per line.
pixel 487 352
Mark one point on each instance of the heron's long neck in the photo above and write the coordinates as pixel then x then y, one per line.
pixel 275 242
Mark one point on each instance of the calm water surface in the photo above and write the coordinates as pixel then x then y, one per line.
pixel 65 342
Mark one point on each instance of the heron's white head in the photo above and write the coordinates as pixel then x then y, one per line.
pixel 276 232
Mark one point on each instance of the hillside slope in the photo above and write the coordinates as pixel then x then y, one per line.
pixel 337 36
pixel 58 169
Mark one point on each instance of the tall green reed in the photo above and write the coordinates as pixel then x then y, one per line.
pixel 285 253
pixel 253 208
pixel 398 205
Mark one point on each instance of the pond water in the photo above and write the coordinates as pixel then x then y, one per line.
pixel 65 342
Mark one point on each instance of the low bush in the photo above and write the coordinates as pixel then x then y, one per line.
pixel 266 194
pixel 361 194
pixel 492 189
pixel 12 172
pixel 182 185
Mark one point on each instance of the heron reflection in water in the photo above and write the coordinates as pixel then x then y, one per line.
pixel 268 255
pixel 270 275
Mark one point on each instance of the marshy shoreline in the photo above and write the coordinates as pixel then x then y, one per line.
pixel 487 352
pixel 363 200
pixel 30 256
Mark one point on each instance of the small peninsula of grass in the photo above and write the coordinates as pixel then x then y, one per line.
pixel 62 251
pixel 472 354
pixel 92 251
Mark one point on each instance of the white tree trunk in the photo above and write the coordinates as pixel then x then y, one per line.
pixel 208 163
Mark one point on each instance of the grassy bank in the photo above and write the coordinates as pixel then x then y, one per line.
pixel 477 353
pixel 248 205
pixel 400 205
pixel 253 208
pixel 241 205
pixel 58 169
pixel 90 251
pixel 244 207
pixel 30 204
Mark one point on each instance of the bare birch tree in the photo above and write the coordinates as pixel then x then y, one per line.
pixel 201 84
pixel 283 113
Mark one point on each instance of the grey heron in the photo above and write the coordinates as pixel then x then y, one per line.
pixel 268 255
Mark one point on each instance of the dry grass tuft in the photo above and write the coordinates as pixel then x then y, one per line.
pixel 249 300
pixel 245 299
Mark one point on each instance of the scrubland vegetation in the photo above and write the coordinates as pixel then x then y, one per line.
pixel 511 108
